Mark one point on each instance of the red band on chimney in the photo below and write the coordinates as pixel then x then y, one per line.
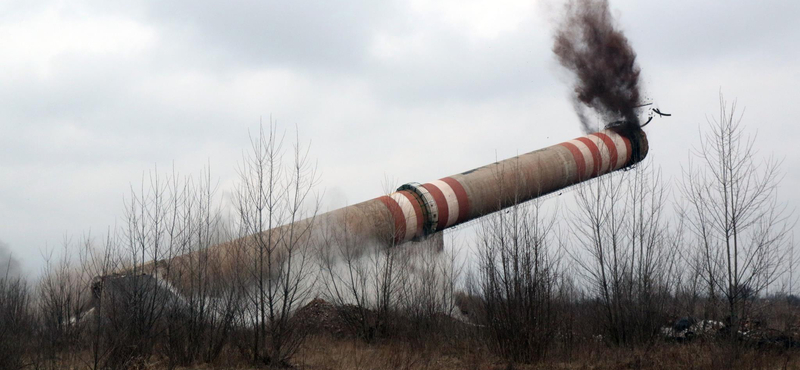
pixel 578 157
pixel 441 204
pixel 399 218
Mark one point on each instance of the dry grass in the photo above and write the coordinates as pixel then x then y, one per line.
pixel 328 354
pixel 682 356
pixel 325 353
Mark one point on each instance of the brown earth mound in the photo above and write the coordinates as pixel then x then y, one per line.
pixel 321 317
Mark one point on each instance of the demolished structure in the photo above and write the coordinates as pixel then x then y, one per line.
pixel 416 211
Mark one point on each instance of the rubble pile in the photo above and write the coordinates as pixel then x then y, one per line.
pixel 321 317
pixel 688 328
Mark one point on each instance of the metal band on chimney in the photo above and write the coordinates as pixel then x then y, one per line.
pixel 427 202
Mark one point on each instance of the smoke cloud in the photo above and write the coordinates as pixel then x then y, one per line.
pixel 590 46
pixel 9 266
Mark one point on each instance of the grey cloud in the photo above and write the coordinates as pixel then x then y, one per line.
pixel 15 9
pixel 307 34
pixel 459 69
pixel 96 111
pixel 76 87
pixel 334 41
pixel 684 33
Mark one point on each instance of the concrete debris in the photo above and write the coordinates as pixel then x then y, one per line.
pixel 687 328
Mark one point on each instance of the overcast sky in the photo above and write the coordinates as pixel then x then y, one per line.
pixel 95 93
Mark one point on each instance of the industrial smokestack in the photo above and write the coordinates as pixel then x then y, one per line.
pixel 421 210
pixel 416 211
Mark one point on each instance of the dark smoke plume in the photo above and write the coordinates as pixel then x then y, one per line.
pixel 588 44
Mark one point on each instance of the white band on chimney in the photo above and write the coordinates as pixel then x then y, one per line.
pixel 408 213
pixel 452 201
pixel 622 149
pixel 605 155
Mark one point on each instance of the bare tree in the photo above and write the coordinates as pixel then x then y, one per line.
pixel 97 262
pixel 134 298
pixel 519 274
pixel 732 209
pixel 198 328
pixel 628 251
pixel 152 287
pixel 427 290
pixel 362 277
pixel 276 207
pixel 17 322
pixel 62 296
